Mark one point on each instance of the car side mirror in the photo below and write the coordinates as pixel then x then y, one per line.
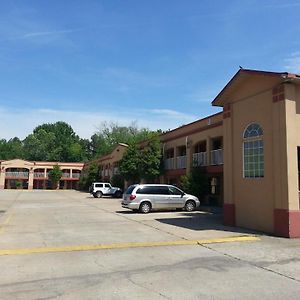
pixel 182 194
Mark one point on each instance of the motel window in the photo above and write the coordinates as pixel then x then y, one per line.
pixel 253 150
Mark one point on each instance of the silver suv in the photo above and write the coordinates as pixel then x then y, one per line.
pixel 147 197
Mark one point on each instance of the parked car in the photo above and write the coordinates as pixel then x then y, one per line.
pixel 147 197
pixel 99 189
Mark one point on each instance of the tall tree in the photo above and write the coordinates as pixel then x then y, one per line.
pixel 142 162
pixel 54 142
pixel 151 159
pixel 11 149
pixel 130 164
pixel 110 134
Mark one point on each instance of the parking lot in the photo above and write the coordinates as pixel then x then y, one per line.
pixel 68 245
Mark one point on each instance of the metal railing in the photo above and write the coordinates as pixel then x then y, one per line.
pixel 200 159
pixel 169 164
pixel 66 175
pixel 216 157
pixel 17 174
pixel 181 162
pixel 39 175
pixel 76 175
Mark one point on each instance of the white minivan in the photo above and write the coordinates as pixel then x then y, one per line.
pixel 147 197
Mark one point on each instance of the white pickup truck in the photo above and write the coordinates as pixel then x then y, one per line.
pixel 99 189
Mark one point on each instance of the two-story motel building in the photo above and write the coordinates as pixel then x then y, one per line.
pixel 250 151
pixel 34 174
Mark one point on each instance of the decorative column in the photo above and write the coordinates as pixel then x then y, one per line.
pixel 189 155
pixel 229 205
pixel 285 162
pixel 208 151
pixel 30 179
pixel 2 178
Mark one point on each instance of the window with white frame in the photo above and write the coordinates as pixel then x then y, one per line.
pixel 253 150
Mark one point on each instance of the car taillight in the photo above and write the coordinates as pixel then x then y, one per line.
pixel 132 197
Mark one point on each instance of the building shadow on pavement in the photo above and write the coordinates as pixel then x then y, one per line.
pixel 202 220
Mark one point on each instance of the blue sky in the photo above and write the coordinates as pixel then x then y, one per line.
pixel 159 63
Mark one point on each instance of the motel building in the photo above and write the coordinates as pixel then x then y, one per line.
pixel 108 164
pixel 250 152
pixel 30 175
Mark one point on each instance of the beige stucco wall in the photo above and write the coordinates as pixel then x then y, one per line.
pixel 255 199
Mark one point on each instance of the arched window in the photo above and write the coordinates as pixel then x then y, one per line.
pixel 253 151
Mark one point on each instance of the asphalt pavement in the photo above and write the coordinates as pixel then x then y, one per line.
pixel 68 245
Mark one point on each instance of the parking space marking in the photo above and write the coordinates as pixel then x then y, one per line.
pixel 126 245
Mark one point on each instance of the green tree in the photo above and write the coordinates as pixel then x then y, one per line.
pixel 130 164
pixel 110 134
pixel 88 176
pixel 54 142
pixel 11 149
pixel 195 183
pixel 117 180
pixel 142 162
pixel 55 175
pixel 151 159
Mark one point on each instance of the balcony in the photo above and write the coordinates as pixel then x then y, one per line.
pixel 216 157
pixel 65 175
pixel 169 164
pixel 181 162
pixel 76 175
pixel 39 175
pixel 199 159
pixel 17 174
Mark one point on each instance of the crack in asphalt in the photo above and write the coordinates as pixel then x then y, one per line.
pixel 259 265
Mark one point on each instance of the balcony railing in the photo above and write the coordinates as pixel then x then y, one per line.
pixel 76 175
pixel 39 175
pixel 169 164
pixel 217 157
pixel 17 174
pixel 181 162
pixel 200 159
pixel 66 175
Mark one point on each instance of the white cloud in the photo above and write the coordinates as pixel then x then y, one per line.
pixel 47 33
pixel 20 123
pixel 169 113
pixel 292 63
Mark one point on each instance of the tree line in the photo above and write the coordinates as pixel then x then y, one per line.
pixel 58 142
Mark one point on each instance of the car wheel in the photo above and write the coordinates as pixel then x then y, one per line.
pixel 190 206
pixel 145 207
pixel 99 194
